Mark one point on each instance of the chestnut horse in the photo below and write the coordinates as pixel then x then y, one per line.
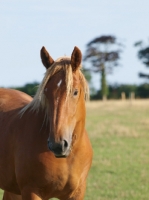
pixel 44 148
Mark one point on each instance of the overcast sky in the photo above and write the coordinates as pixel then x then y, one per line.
pixel 59 25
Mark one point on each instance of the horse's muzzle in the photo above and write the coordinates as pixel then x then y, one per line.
pixel 60 149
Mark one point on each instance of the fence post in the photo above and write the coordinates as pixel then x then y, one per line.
pixel 123 96
pixel 104 98
pixel 131 97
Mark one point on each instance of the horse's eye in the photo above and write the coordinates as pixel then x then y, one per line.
pixel 75 93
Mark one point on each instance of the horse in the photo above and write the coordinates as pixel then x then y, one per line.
pixel 45 151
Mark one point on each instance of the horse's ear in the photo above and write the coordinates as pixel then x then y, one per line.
pixel 76 58
pixel 47 60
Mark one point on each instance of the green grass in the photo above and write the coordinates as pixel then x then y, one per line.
pixel 119 133
pixel 119 136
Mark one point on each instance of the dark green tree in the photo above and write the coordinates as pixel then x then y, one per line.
pixel 103 53
pixel 143 55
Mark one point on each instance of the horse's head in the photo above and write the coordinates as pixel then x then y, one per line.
pixel 65 98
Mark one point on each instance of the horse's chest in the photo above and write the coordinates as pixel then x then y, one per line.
pixel 67 185
pixel 63 178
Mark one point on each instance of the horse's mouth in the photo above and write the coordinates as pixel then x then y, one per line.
pixel 67 153
pixel 63 156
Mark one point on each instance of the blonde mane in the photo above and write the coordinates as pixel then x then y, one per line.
pixel 63 63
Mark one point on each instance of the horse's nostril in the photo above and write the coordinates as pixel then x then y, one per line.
pixel 60 148
pixel 50 145
pixel 65 144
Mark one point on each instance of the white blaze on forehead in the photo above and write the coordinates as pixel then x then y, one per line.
pixel 59 83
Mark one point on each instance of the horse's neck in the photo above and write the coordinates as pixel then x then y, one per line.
pixel 37 119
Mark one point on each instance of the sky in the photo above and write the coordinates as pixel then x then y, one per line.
pixel 27 25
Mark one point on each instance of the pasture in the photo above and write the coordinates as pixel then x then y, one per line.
pixel 119 133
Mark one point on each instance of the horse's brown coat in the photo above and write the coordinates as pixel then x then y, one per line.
pixel 27 167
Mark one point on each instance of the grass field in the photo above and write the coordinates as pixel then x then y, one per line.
pixel 119 133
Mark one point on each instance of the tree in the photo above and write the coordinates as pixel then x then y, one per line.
pixel 103 56
pixel 143 55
